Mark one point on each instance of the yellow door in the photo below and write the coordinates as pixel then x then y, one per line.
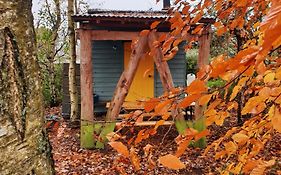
pixel 143 84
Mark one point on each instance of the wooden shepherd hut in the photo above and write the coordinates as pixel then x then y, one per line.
pixel 105 52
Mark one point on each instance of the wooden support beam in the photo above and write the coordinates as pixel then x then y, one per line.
pixel 161 65
pixel 204 47
pixel 203 59
pixel 126 79
pixel 87 107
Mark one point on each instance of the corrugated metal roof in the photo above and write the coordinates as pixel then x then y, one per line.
pixel 124 14
pixel 128 15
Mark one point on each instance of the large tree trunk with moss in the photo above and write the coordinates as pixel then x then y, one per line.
pixel 72 72
pixel 24 147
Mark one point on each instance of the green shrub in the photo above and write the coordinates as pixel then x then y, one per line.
pixel 48 101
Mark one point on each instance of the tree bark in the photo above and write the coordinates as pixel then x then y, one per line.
pixel 24 147
pixel 161 65
pixel 72 65
pixel 51 54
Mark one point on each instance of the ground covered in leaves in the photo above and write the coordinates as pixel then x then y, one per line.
pixel 71 159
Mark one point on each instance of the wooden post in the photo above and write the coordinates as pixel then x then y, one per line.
pixel 87 103
pixel 161 65
pixel 203 59
pixel 126 79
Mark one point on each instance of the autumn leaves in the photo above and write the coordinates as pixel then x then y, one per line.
pixel 252 76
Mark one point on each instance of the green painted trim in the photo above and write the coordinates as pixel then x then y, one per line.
pixel 87 139
pixel 181 125
pixel 88 129
pixel 199 125
pixel 108 128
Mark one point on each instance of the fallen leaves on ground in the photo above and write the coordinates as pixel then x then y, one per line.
pixel 70 159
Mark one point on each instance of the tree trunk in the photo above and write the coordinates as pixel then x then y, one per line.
pixel 72 65
pixel 53 51
pixel 24 145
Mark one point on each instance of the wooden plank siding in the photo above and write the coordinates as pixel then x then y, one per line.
pixel 177 67
pixel 108 64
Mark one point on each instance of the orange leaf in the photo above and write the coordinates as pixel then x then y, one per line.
pixel 250 165
pixel 198 29
pixel 182 147
pixel 120 148
pixel 197 18
pixel 235 91
pixel 210 120
pixel 218 24
pixel 205 99
pixel 265 92
pixel 269 77
pixel 221 31
pixel 188 100
pixel 251 105
pixel 154 24
pixel 241 3
pixel 196 87
pixel 139 136
pixel 144 33
pixel 276 120
pixel 159 123
pixel 185 9
pixel 150 104
pixel 220 154
pixel 201 134
pixel 162 37
pixel 278 74
pixel 240 138
pixel 171 161
pixel 177 42
pixel 162 107
pixel 135 159
pixel 238 87
pixel 230 147
pixel 220 117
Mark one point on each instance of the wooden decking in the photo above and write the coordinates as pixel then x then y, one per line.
pixel 146 118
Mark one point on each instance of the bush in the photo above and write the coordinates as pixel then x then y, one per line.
pixel 48 101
